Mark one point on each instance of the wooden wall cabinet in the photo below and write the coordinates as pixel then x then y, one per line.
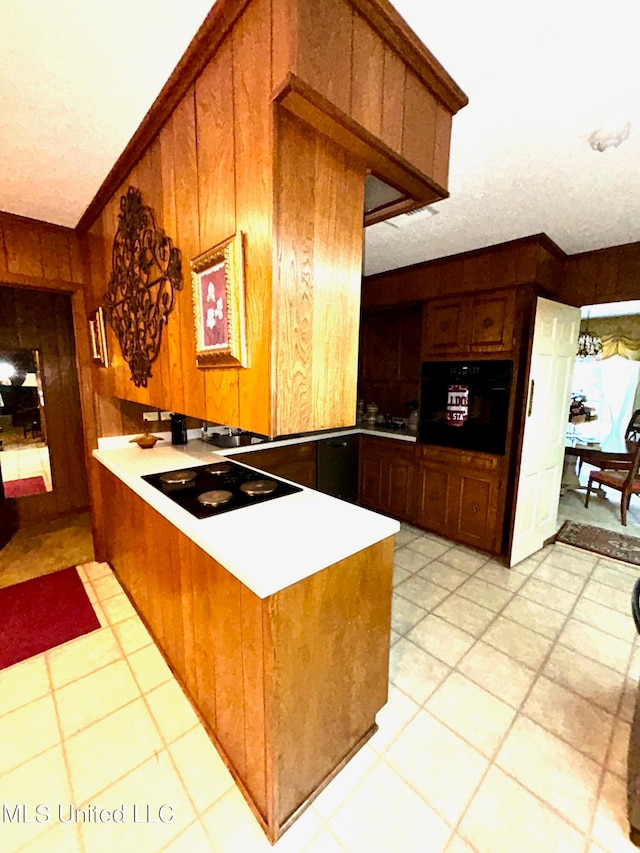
pixel 296 462
pixel 387 476
pixel 469 325
pixel 389 373
pixel 269 127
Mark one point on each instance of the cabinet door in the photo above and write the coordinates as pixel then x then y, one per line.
pixel 397 485
pixel 432 498
pixel 302 472
pixel 476 516
pixel 370 479
pixel 295 462
pixel 443 327
pixel 491 322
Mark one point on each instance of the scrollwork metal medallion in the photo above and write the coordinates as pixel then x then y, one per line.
pixel 146 270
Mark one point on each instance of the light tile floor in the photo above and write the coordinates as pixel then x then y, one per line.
pixel 510 698
pixel 18 463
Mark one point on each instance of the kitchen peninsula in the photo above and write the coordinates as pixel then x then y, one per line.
pixel 275 618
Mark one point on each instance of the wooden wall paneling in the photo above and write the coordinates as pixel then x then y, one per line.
pixel 182 561
pixel 324 50
pixel 148 180
pixel 75 474
pixel 103 381
pixel 56 263
pixel 337 682
pixel 477 273
pixel 22 245
pixel 339 202
pixel 216 201
pixel 230 708
pixel 202 634
pixel 8 313
pixel 173 342
pixel 188 240
pixel 393 86
pixel 77 261
pixel 216 149
pixel 294 274
pixel 156 535
pixel 253 132
pixel 628 279
pixel 442 145
pixel 3 251
pixel 418 284
pixel 253 675
pixel 527 262
pixel 367 76
pixel 419 126
pixel 284 41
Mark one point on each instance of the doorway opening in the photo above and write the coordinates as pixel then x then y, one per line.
pixel 26 464
pixel 605 392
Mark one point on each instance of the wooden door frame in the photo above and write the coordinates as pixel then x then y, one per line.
pixel 83 370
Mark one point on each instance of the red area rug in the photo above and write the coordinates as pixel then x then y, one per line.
pixel 24 487
pixel 42 613
pixel 615 545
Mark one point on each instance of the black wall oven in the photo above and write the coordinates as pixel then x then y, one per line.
pixel 465 404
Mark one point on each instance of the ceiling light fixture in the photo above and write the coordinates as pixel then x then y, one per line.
pixel 7 371
pixel 589 346
pixel 609 136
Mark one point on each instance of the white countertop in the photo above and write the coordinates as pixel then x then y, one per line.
pixel 268 546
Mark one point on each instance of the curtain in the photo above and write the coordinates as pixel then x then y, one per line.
pixel 619 335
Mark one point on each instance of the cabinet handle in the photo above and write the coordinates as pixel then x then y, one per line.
pixel 475 508
pixel 531 390
pixel 487 323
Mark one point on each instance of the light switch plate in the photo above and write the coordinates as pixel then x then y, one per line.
pixel 165 416
pixel 150 416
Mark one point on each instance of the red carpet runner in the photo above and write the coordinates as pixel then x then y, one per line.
pixel 26 486
pixel 42 613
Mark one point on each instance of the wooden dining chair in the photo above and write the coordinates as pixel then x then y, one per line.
pixel 632 433
pixel 625 482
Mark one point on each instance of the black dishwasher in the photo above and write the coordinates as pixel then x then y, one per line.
pixel 338 467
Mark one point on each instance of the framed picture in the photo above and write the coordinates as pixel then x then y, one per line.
pixel 217 278
pixel 98 337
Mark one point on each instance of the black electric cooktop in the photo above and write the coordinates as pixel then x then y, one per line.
pixel 207 490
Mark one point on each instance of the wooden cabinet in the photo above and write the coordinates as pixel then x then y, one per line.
pixel 457 495
pixel 287 686
pixel 389 373
pixel 469 325
pixel 432 497
pixel 296 462
pixel 386 476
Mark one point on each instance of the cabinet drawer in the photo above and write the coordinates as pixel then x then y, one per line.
pixel 457 458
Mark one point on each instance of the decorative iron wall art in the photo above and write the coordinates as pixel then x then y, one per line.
pixel 146 270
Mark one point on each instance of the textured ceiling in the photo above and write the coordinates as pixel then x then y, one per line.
pixel 77 76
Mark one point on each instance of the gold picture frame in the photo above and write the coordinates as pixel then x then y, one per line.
pixel 217 278
pixel 98 337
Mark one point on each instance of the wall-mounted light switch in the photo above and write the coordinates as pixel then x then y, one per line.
pixel 149 416
pixel 165 416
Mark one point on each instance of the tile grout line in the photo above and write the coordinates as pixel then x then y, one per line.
pixel 540 671
pixel 520 712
